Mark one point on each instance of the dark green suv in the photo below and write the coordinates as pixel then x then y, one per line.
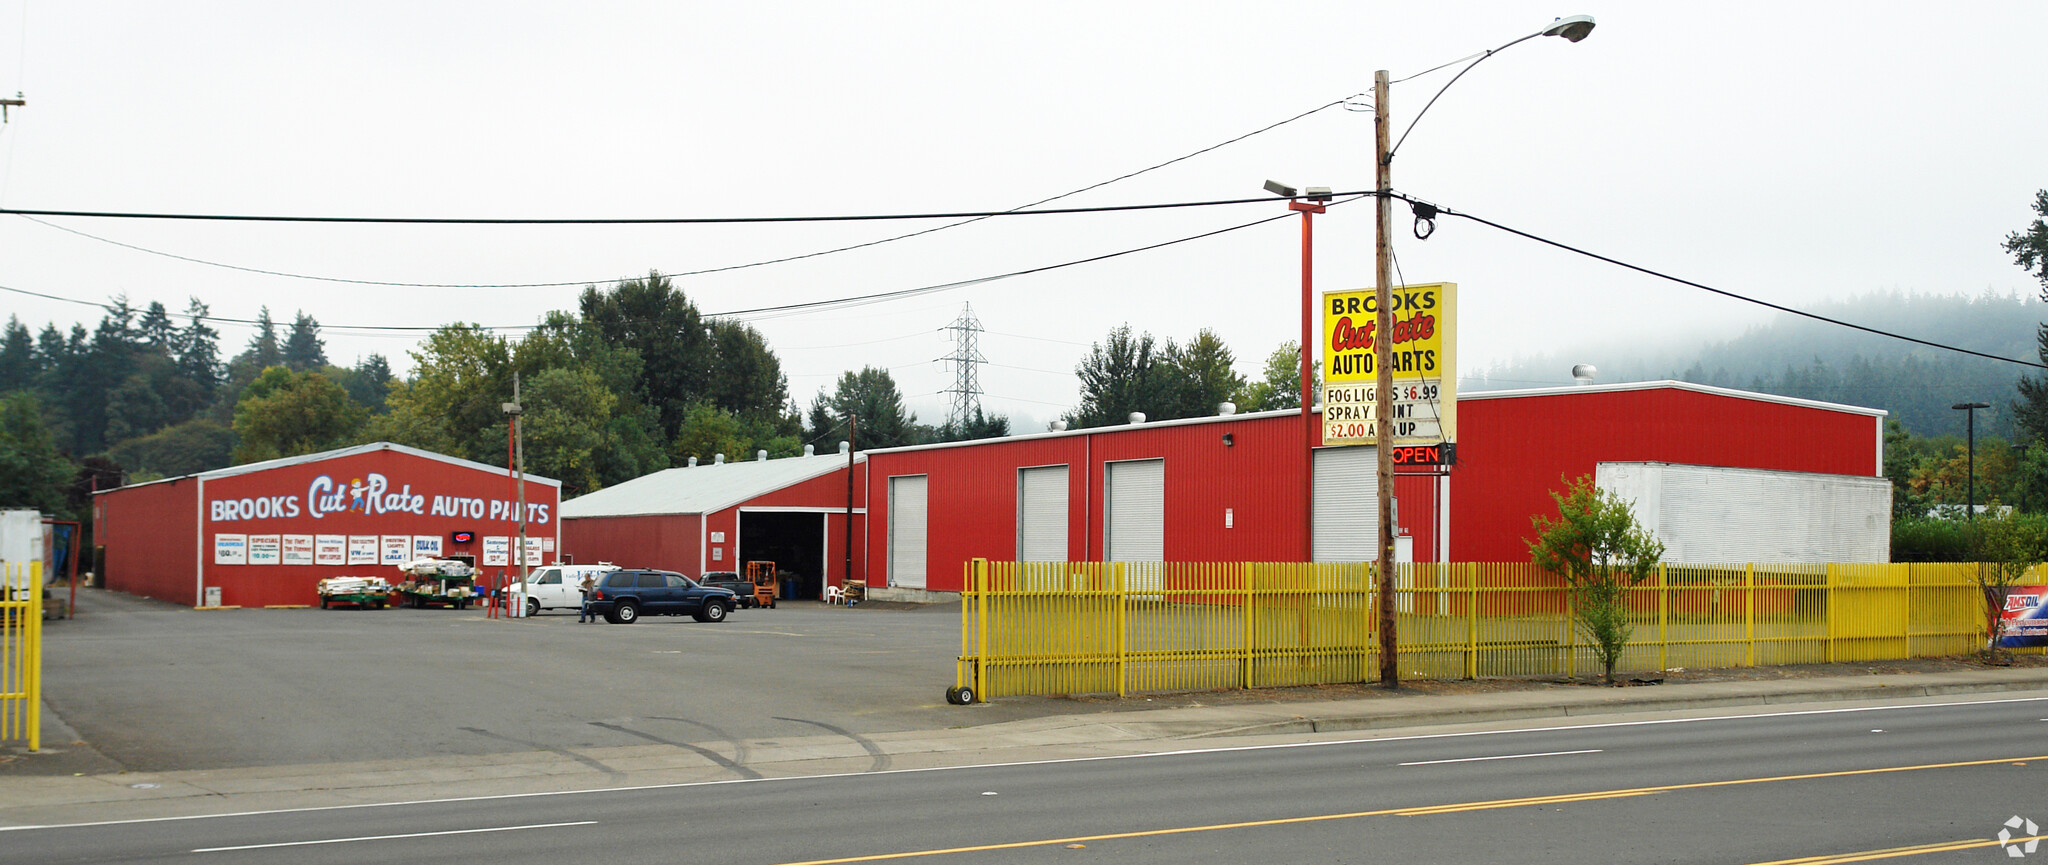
pixel 623 596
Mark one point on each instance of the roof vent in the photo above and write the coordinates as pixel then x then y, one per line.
pixel 1137 417
pixel 1583 373
pixel 1226 409
pixel 1058 426
pixel 760 456
pixel 718 459
pixel 810 450
pixel 693 462
pixel 845 446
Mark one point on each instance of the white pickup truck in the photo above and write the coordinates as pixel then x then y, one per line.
pixel 554 587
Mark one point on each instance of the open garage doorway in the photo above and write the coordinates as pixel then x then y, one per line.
pixel 794 541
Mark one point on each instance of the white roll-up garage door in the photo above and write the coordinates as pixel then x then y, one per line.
pixel 1042 514
pixel 1347 505
pixel 907 532
pixel 1136 508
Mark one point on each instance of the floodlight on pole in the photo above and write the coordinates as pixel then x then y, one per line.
pixel 1572 29
pixel 1316 202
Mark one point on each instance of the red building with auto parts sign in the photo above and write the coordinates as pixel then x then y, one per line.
pixel 266 533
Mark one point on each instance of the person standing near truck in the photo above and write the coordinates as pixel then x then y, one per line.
pixel 587 587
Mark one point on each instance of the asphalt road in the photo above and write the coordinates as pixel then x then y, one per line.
pixel 156 687
pixel 1934 782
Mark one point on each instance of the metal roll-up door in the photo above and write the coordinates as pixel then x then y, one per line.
pixel 1347 505
pixel 907 532
pixel 1136 511
pixel 1042 514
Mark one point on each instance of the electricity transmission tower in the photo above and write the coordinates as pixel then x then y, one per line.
pixel 966 389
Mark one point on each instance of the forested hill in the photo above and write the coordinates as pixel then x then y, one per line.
pixel 1800 357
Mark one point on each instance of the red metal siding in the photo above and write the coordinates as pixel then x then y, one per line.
pixel 1512 450
pixel 152 540
pixel 668 541
pixel 417 491
pixel 1261 477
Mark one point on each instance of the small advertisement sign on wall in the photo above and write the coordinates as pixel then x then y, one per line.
pixel 230 549
pixel 395 549
pixel 497 551
pixel 265 550
pixel 533 554
pixel 330 549
pixel 298 549
pixel 426 546
pixel 362 549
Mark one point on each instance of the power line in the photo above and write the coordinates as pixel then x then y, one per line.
pixel 652 220
pixel 1346 101
pixel 760 312
pixel 1724 293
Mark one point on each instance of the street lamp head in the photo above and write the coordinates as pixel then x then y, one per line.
pixel 1280 189
pixel 1966 406
pixel 1572 29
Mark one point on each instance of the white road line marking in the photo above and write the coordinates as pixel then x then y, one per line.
pixel 1183 752
pixel 1500 757
pixel 391 837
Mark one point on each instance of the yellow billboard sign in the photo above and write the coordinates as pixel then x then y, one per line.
pixel 1424 352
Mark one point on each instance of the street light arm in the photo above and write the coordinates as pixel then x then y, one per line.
pixel 1571 29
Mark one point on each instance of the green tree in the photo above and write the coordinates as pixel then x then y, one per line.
pixel 1122 374
pixel 197 445
pixel 2029 250
pixel 745 377
pixel 32 474
pixel 567 412
pixel 264 350
pixel 871 397
pixel 654 319
pixel 1202 376
pixel 303 348
pixel 285 413
pixel 1596 546
pixel 19 365
pixel 1279 383
pixel 708 431
pixel 977 426
pixel 462 376
pixel 2004 549
pixel 368 382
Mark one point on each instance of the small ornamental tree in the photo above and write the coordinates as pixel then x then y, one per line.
pixel 1596 546
pixel 2004 549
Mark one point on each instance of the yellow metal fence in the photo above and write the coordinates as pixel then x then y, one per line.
pixel 21 653
pixel 1124 627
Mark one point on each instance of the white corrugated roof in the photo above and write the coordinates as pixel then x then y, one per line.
pixel 701 489
pixel 341 452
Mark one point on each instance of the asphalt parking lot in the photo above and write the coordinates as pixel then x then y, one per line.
pixel 148 686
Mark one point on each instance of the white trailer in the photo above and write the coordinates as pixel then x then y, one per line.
pixel 1720 515
pixel 23 539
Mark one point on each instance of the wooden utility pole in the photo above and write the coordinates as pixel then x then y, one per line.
pixel 1383 403
pixel 852 424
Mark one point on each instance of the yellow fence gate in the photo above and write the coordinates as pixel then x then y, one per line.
pixel 1123 627
pixel 21 653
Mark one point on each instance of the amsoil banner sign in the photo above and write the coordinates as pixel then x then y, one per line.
pixel 1424 350
pixel 2024 622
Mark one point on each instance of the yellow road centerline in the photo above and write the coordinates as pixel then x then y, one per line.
pixel 1900 852
pixel 1426 810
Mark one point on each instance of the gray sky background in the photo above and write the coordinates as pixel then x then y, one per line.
pixel 1792 152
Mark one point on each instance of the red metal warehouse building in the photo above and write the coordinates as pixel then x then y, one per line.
pixel 266 533
pixel 794 512
pixel 1241 487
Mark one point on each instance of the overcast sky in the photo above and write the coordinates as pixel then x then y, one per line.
pixel 1793 152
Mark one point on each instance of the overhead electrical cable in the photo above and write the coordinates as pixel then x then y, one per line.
pixel 1442 210
pixel 770 311
pixel 1346 101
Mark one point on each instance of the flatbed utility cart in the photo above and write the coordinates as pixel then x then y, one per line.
pixel 437 583
pixel 767 582
pixel 369 593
